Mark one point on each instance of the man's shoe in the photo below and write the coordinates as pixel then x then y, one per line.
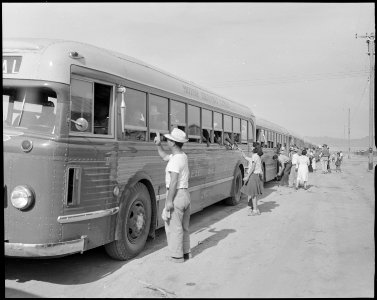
pixel 187 256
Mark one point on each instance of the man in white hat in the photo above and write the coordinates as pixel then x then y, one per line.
pixel 177 206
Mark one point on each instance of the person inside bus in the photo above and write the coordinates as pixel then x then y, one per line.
pixel 101 118
pixel 227 141
pixel 176 213
pixel 206 137
pixel 253 186
pixel 218 137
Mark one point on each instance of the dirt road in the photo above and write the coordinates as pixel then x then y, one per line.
pixel 314 243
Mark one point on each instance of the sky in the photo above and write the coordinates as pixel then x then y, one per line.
pixel 298 65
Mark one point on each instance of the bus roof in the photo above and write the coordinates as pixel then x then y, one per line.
pixel 272 126
pixel 50 59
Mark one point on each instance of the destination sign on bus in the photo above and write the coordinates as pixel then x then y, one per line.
pixel 11 64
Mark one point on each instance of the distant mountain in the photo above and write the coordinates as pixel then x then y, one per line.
pixel 362 143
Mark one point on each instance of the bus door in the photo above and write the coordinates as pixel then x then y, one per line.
pixel 92 157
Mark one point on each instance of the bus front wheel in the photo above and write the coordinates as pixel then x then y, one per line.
pixel 235 198
pixel 135 217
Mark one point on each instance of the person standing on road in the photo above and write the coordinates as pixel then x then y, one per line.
pixel 338 162
pixel 303 170
pixel 293 173
pixel 253 186
pixel 177 205
pixel 324 156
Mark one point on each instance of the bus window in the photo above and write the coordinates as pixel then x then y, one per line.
pixel 158 116
pixel 250 136
pixel 228 125
pixel 243 131
pixel 178 115
pixel 218 127
pixel 102 108
pixel 81 104
pixel 206 126
pixel 136 110
pixel 193 123
pixel 236 130
pixel 32 108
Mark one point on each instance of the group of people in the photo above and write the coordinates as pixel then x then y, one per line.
pixel 293 172
pixel 294 169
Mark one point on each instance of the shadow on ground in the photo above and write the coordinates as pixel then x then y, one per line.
pixel 94 264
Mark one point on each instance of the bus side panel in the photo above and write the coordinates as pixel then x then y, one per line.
pixel 42 169
pixel 221 167
pixel 97 161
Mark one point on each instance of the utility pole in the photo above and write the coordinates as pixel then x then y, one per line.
pixel 371 46
pixel 349 131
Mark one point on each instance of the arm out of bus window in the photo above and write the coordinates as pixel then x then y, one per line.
pixel 172 190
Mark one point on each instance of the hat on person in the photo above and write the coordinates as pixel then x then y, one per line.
pixel 324 145
pixel 177 135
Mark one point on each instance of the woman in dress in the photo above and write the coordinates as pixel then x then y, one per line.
pixel 253 185
pixel 302 170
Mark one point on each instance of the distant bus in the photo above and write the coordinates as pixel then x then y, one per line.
pixel 271 137
pixel 80 166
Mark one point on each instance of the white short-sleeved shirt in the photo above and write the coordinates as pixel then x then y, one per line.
pixel 177 163
pixel 258 163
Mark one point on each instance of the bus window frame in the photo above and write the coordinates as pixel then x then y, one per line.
pixel 193 136
pixel 154 130
pixel 112 115
pixel 170 119
pixel 210 128
pixel 244 141
pixel 120 134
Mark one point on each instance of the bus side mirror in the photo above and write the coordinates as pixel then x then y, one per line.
pixel 122 90
pixel 81 124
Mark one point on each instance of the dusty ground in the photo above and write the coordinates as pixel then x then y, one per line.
pixel 314 243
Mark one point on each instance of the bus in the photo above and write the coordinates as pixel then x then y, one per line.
pixel 271 137
pixel 80 166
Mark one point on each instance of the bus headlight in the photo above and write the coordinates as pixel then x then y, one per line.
pixel 22 197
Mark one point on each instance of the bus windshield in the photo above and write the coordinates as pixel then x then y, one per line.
pixel 29 108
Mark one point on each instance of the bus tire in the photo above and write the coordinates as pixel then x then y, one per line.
pixel 135 217
pixel 235 198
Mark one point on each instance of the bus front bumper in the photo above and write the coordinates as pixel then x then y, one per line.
pixel 45 250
